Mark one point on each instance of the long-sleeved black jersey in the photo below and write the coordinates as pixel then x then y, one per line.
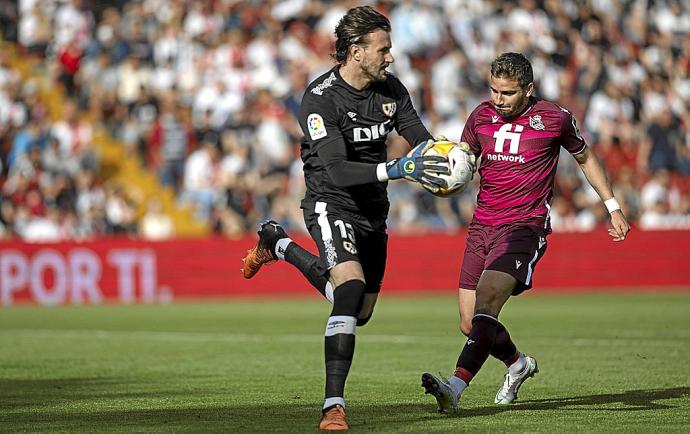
pixel 345 133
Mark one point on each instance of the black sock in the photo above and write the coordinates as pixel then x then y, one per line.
pixel 309 265
pixel 478 346
pixel 339 350
pixel 504 349
pixel 340 335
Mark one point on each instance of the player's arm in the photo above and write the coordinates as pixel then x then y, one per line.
pixel 413 167
pixel 594 172
pixel 596 176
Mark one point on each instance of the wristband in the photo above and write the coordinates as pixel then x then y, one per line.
pixel 612 205
pixel 381 172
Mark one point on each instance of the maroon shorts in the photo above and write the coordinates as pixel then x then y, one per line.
pixel 512 249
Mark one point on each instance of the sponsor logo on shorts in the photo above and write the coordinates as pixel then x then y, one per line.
pixel 517 264
pixel 350 247
pixel 331 254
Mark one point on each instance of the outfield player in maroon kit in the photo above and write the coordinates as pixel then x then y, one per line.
pixel 518 138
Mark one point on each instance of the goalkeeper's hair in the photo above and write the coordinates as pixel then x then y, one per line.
pixel 513 66
pixel 354 27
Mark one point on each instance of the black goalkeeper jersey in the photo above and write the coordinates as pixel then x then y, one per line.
pixel 356 123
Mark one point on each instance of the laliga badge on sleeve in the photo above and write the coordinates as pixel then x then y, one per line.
pixel 316 127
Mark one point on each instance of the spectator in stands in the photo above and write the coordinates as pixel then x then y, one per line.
pixel 201 177
pixel 120 213
pixel 155 225
pixel 666 144
pixel 169 142
pixel 69 58
pixel 75 137
pixel 8 20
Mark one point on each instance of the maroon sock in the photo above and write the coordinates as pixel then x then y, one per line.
pixel 504 349
pixel 478 346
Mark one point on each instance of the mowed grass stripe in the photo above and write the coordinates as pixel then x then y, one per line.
pixel 619 339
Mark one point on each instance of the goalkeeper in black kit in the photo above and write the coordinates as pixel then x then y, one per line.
pixel 346 115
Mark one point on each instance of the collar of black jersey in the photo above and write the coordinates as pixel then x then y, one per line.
pixel 364 91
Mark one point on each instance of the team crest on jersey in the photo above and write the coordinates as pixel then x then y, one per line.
pixel 316 127
pixel 389 109
pixel 536 123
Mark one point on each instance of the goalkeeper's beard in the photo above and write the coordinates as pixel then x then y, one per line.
pixel 375 75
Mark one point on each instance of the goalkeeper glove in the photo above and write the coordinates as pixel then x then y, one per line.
pixel 415 166
pixel 464 146
pixel 473 159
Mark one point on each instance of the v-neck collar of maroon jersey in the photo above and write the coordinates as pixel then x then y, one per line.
pixel 532 102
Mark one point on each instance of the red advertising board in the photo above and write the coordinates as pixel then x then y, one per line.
pixel 131 271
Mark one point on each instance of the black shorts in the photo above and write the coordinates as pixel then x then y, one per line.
pixel 345 236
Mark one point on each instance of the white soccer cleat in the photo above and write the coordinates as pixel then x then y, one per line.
pixel 508 393
pixel 440 389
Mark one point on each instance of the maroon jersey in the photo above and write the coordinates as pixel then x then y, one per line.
pixel 519 156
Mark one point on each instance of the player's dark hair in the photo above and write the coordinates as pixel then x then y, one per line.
pixel 514 66
pixel 354 27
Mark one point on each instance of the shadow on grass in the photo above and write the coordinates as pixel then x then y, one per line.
pixel 632 400
pixel 85 404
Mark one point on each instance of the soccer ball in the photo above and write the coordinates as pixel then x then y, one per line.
pixel 461 166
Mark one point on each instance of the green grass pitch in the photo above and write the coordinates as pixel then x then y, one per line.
pixel 608 363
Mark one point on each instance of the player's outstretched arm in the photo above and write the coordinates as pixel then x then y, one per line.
pixel 596 176
pixel 414 166
pixel 417 167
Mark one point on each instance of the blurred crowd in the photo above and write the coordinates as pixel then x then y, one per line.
pixel 206 95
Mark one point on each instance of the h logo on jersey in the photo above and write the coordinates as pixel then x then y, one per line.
pixel 504 134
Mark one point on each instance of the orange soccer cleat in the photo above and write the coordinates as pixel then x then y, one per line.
pixel 262 254
pixel 334 420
